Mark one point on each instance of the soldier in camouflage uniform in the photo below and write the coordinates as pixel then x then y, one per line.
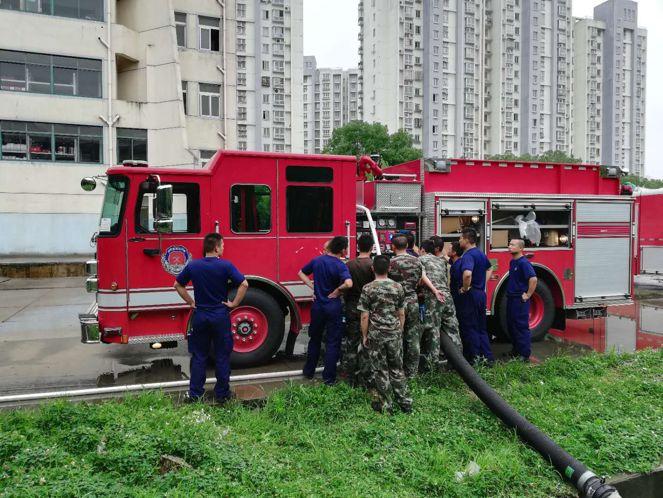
pixel 440 316
pixel 382 318
pixel 409 272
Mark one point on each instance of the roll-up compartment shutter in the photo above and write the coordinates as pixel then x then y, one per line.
pixel 652 259
pixel 603 250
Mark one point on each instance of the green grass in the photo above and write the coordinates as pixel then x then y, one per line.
pixel 606 410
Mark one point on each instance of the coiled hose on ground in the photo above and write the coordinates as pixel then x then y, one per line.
pixel 585 481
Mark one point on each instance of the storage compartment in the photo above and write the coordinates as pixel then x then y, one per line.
pixel 500 238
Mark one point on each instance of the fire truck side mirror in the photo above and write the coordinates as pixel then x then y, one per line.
pixel 163 209
pixel 88 184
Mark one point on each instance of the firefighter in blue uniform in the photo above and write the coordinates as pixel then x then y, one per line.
pixel 330 278
pixel 476 270
pixel 211 316
pixel 456 281
pixel 520 287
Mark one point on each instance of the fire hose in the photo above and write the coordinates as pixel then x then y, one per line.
pixel 585 481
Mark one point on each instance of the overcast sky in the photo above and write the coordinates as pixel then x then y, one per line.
pixel 330 34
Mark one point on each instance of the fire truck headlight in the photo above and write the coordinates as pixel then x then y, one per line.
pixel 91 267
pixel 563 239
pixel 92 284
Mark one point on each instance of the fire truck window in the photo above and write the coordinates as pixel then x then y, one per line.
pixel 111 210
pixel 309 174
pixel 553 224
pixel 250 208
pixel 309 209
pixel 186 208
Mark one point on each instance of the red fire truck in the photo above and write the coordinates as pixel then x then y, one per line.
pixel 649 206
pixel 276 211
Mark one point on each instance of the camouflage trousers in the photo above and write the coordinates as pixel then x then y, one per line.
pixel 355 362
pixel 440 318
pixel 390 384
pixel 412 338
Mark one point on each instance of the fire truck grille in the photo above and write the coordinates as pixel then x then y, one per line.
pixel 398 197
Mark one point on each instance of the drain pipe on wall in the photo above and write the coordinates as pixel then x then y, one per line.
pixel 109 119
pixel 585 481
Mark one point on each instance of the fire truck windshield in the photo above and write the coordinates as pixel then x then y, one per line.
pixel 114 200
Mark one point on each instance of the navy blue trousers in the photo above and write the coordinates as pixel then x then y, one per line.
pixel 517 319
pixel 211 331
pixel 472 323
pixel 329 316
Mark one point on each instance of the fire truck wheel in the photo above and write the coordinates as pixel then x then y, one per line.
pixel 257 326
pixel 541 312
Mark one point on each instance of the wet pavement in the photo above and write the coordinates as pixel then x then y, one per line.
pixel 40 346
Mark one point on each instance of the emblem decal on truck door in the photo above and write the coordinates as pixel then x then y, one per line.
pixel 174 259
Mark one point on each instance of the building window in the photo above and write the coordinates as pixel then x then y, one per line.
pixel 209 33
pixel 250 208
pixel 241 79
pixel 131 144
pixel 180 28
pixel 206 155
pixel 50 142
pixel 209 100
pixel 90 10
pixel 241 10
pixel 50 74
pixel 185 95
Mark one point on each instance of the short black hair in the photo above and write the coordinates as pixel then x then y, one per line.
pixel 410 240
pixel 470 234
pixel 438 241
pixel 381 265
pixel 365 243
pixel 211 242
pixel 338 244
pixel 399 242
pixel 455 247
pixel 428 246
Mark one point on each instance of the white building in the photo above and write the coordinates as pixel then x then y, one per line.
pixel 588 40
pixel 546 76
pixel 391 64
pixel 269 80
pixel 625 69
pixel 502 77
pixel 87 84
pixel 453 79
pixel 331 100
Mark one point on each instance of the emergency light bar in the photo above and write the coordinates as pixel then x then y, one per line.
pixel 134 164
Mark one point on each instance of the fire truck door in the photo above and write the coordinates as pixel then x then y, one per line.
pixel 311 213
pixel 154 260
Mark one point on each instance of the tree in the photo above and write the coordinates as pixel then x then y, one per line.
pixel 399 149
pixel 359 138
pixel 551 156
pixel 641 181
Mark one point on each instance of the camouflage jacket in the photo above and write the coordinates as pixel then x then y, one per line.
pixel 437 270
pixel 406 270
pixel 382 299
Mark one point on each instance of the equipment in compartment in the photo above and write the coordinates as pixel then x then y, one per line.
pixel 387 226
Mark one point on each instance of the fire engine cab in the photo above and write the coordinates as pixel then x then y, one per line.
pixel 276 211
